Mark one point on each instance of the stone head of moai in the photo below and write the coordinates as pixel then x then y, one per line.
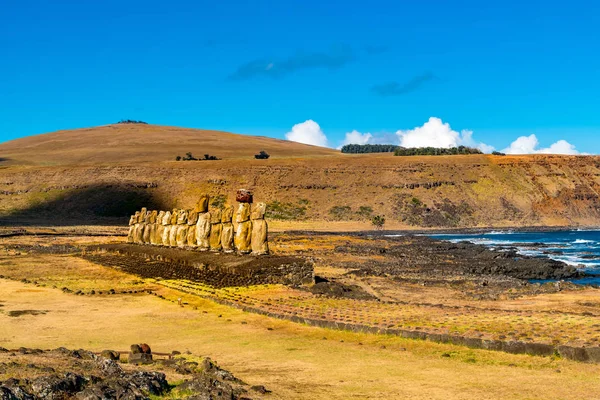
pixel 227 214
pixel 182 217
pixel 174 215
pixel 202 205
pixel 147 217
pixel 142 215
pixel 258 211
pixel 243 213
pixel 192 217
pixel 166 218
pixel 159 217
pixel 134 218
pixel 215 216
pixel 153 216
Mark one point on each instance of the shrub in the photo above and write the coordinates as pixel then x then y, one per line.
pixel 285 211
pixel 497 153
pixel 219 201
pixel 189 157
pixel 364 212
pixel 131 121
pixel 341 212
pixel 378 221
pixel 263 155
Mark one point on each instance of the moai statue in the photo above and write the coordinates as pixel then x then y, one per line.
pixel 182 228
pixel 243 231
pixel 139 227
pixel 260 244
pixel 173 231
pixel 160 228
pixel 203 224
pixel 227 230
pixel 166 222
pixel 152 219
pixel 215 230
pixel 132 222
pixel 147 228
pixel 191 234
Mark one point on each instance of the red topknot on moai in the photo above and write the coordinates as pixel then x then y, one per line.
pixel 243 196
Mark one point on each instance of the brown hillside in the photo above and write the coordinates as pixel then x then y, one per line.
pixel 141 143
pixel 323 192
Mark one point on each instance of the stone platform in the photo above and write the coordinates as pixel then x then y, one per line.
pixel 215 269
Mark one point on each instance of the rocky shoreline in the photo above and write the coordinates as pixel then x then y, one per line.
pixel 436 258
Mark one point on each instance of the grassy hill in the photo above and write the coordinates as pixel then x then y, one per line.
pixel 113 170
pixel 143 143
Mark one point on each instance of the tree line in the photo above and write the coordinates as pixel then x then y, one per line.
pixel 368 148
pixel 131 121
pixel 408 151
pixel 435 151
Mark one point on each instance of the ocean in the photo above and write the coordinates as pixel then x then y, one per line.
pixel 580 248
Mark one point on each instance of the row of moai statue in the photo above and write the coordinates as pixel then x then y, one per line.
pixel 205 230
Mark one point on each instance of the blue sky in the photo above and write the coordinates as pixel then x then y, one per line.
pixel 499 69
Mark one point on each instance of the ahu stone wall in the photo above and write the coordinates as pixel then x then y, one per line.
pixel 242 230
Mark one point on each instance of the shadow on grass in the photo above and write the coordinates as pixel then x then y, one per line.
pixel 96 205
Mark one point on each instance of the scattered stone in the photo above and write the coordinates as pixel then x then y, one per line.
pixel 145 348
pixel 140 358
pixel 260 389
pixel 111 355
pixel 56 386
pixel 135 349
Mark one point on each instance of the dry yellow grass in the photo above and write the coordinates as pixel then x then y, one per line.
pixel 293 360
pixel 144 143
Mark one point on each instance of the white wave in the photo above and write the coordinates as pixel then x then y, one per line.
pixel 574 260
pixel 499 233
pixel 528 252
pixel 582 241
pixel 486 242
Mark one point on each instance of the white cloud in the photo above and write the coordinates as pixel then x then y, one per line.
pixel 355 137
pixel 529 145
pixel 466 139
pixel 435 133
pixel 560 147
pixel 523 145
pixel 307 132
